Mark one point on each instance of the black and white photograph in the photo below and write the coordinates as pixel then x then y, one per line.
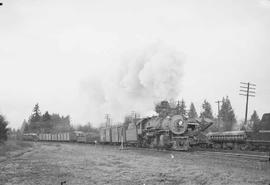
pixel 135 92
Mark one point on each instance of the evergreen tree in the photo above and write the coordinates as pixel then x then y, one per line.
pixel 24 127
pixel 87 128
pixel 3 129
pixel 207 110
pixel 46 123
pixel 227 114
pixel 36 115
pixel 46 116
pixel 182 108
pixel 34 120
pixel 255 121
pixel 192 111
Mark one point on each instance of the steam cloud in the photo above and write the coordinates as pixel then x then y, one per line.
pixel 135 84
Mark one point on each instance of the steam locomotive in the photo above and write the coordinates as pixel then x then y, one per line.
pixel 172 132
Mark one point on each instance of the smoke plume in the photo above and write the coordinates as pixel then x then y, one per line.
pixel 135 84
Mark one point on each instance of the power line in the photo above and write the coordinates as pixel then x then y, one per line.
pixel 245 90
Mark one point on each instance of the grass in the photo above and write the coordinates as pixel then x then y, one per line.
pixel 13 145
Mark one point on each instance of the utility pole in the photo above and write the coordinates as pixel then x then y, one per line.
pixel 108 120
pixel 248 90
pixel 218 102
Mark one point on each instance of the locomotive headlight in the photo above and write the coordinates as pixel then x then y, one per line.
pixel 179 123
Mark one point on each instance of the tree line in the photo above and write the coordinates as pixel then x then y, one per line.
pixel 46 123
pixel 51 123
pixel 3 129
pixel 224 121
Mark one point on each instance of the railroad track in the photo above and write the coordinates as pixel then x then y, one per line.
pixel 261 157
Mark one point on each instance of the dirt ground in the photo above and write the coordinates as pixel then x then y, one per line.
pixel 74 164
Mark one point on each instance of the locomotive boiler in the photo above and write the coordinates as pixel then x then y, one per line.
pixel 174 132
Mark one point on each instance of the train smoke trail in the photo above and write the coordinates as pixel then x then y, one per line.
pixel 137 82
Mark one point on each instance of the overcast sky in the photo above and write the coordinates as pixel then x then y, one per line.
pixel 51 50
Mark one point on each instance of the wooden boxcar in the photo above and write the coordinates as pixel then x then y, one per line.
pixel 131 133
pixel 71 136
pixel 102 135
pixel 115 134
pixel 121 134
pixel 108 138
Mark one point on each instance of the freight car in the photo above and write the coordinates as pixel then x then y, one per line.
pixel 30 137
pixel 89 137
pixel 112 135
pixel 243 140
pixel 174 132
pixel 60 137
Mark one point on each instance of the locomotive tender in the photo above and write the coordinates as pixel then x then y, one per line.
pixel 244 140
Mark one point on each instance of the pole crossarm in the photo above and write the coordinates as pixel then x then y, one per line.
pixel 248 93
pixel 248 83
pixel 252 88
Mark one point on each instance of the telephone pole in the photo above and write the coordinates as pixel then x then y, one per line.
pixel 218 102
pixel 248 90
pixel 108 120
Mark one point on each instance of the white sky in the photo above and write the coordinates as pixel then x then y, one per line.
pixel 47 48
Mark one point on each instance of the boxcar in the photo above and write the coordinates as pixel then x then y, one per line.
pixel 102 135
pixel 122 134
pixel 131 133
pixel 81 137
pixel 71 136
pixel 115 134
pixel 108 137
